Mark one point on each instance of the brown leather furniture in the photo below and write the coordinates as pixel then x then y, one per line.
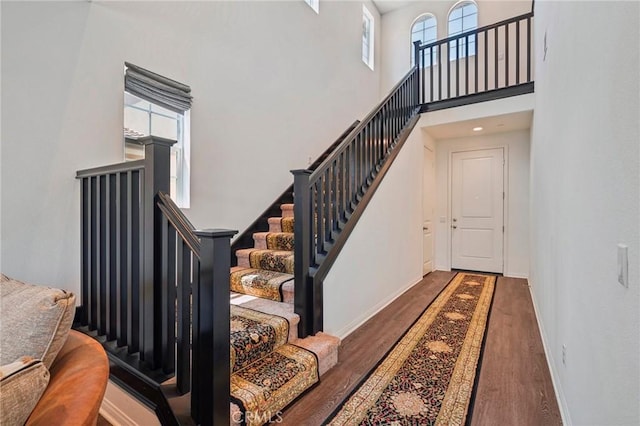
pixel 78 381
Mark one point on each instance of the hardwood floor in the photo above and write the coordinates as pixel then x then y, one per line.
pixel 514 385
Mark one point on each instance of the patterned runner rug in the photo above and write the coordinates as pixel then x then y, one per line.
pixel 427 378
pixel 259 283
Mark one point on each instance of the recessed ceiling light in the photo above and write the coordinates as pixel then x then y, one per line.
pixel 477 129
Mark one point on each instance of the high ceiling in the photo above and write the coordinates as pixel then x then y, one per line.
pixel 385 6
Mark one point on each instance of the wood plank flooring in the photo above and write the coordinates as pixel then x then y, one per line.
pixel 514 385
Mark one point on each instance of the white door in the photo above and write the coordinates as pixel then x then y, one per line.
pixel 428 205
pixel 477 202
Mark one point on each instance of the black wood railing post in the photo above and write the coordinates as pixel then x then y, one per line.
pixel 157 155
pixel 303 241
pixel 210 356
pixel 416 55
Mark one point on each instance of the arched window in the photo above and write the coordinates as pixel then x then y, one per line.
pixel 462 18
pixel 425 30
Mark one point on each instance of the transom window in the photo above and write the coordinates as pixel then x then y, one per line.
pixel 462 18
pixel 425 30
pixel 315 4
pixel 367 37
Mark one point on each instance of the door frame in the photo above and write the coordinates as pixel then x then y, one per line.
pixel 433 213
pixel 505 201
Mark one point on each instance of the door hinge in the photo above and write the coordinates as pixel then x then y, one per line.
pixel 503 195
pixel 503 229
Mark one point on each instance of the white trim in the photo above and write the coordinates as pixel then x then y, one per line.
pixel 114 415
pixel 516 275
pixel 411 47
pixel 120 408
pixel 456 4
pixel 314 4
pixel 185 166
pixel 555 378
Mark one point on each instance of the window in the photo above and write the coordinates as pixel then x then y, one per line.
pixel 315 4
pixel 425 30
pixel 158 106
pixel 462 18
pixel 367 37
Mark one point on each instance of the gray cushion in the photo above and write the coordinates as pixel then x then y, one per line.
pixel 35 320
pixel 22 383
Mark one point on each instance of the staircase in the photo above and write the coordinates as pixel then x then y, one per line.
pixel 271 366
pixel 201 337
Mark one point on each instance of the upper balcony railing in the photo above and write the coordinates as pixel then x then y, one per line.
pixel 486 63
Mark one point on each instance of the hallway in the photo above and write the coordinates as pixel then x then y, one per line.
pixel 513 386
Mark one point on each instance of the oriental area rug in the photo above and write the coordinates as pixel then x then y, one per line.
pixel 427 378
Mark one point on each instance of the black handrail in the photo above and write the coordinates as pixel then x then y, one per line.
pixel 329 201
pixel 466 68
pixel 195 302
pixel 152 284
pixel 179 221
pixel 245 239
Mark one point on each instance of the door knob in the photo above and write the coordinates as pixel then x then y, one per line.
pixel 454 227
pixel 424 228
pixel 455 220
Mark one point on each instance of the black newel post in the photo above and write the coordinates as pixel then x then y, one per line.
pixel 416 55
pixel 157 156
pixel 303 299
pixel 210 356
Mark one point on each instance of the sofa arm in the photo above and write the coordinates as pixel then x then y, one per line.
pixel 79 377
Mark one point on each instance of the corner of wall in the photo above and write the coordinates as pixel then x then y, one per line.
pixel 555 379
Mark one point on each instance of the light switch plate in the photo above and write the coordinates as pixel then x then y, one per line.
pixel 623 264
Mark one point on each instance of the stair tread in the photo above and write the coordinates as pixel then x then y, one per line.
pixel 271 260
pixel 281 224
pixel 255 334
pixel 271 307
pixel 274 240
pixel 271 383
pixel 259 282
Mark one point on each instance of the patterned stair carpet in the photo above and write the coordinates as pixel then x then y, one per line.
pixel 262 389
pixel 254 334
pixel 272 260
pixel 428 376
pixel 259 283
pixel 280 241
pixel 268 372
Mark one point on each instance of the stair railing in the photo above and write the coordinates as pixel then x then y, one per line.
pixel 486 63
pixel 329 200
pixel 195 299
pixel 153 284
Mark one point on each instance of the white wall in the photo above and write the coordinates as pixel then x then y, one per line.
pixel 516 218
pixel 396 30
pixel 383 255
pixel 585 180
pixel 274 83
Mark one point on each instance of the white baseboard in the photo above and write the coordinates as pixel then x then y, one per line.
pixel 121 409
pixel 555 379
pixel 353 325
pixel 516 275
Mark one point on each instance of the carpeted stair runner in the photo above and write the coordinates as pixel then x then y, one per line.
pixel 280 224
pixel 270 366
pixel 254 334
pixel 262 389
pixel 273 240
pixel 270 285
